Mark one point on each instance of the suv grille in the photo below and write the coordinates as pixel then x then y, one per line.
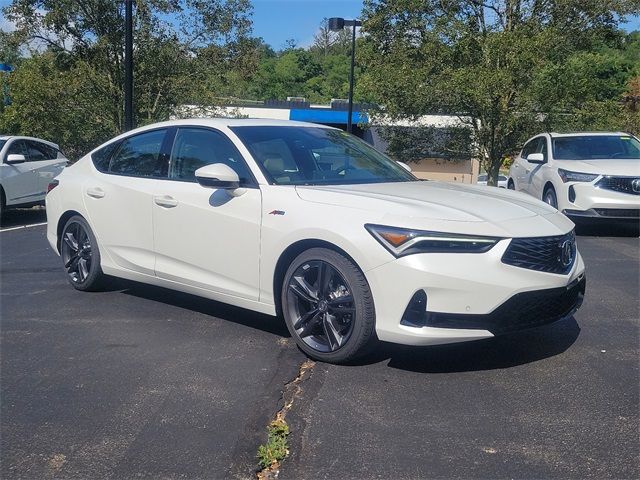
pixel 620 184
pixel 544 254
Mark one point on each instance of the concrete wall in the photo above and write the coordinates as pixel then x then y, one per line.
pixel 463 171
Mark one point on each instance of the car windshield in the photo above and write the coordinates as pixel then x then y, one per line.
pixel 317 156
pixel 596 147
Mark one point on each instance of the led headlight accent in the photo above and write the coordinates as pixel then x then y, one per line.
pixel 568 176
pixel 402 241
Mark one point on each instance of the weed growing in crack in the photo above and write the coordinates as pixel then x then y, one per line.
pixel 276 447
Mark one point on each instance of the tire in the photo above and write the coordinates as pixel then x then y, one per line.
pixel 3 203
pixel 511 185
pixel 335 323
pixel 81 255
pixel 549 196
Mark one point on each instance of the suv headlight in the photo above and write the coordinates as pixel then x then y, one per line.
pixel 568 176
pixel 402 241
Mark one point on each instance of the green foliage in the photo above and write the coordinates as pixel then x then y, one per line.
pixel 276 447
pixel 507 68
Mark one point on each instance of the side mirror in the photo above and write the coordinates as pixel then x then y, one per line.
pixel 535 158
pixel 405 166
pixel 14 158
pixel 219 175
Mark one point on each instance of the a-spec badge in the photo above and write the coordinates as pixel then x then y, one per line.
pixel 276 212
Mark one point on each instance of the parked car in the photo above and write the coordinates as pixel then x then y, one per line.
pixel 27 166
pixel 483 177
pixel 592 175
pixel 312 223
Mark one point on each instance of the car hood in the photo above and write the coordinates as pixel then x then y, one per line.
pixel 613 166
pixel 431 204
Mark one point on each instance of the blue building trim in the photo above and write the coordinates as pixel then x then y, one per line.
pixel 316 115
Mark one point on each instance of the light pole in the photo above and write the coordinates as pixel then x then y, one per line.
pixel 128 64
pixel 335 25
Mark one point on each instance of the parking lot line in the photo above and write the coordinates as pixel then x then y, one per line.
pixel 22 226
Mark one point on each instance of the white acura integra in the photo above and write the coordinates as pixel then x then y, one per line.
pixel 310 222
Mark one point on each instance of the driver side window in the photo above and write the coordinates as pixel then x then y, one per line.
pixel 531 147
pixel 196 147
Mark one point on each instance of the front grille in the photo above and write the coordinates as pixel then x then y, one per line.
pixel 620 184
pixel 523 310
pixel 618 212
pixel 544 254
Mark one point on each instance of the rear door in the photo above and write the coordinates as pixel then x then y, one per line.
pixel 46 163
pixel 119 197
pixel 205 237
pixel 18 179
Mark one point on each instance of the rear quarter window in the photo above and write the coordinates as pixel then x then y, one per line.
pixel 102 156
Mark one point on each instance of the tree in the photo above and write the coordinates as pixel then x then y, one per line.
pixel 87 36
pixel 484 61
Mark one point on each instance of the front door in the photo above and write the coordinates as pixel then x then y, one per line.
pixel 204 237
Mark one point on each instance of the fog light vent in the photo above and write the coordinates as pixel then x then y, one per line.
pixel 572 194
pixel 416 313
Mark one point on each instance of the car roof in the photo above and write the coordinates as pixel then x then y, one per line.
pixel 582 134
pixel 20 137
pixel 232 122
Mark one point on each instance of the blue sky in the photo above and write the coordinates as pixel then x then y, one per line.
pixel 279 20
pixel 276 21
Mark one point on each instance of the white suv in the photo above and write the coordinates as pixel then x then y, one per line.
pixel 595 175
pixel 27 166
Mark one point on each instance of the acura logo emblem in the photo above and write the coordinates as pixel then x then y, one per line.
pixel 635 185
pixel 566 253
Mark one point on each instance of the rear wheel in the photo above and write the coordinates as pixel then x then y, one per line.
pixel 80 254
pixel 328 306
pixel 550 197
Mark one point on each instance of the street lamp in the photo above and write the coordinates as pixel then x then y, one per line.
pixel 335 25
pixel 128 64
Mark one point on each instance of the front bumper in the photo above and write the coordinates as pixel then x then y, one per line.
pixel 590 200
pixel 469 296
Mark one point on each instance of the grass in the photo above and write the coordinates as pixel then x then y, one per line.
pixel 277 447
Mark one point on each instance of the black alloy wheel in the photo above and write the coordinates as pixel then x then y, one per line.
pixel 328 306
pixel 80 255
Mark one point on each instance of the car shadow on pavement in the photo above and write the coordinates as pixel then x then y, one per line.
pixel 500 352
pixel 20 217
pixel 590 229
pixel 248 318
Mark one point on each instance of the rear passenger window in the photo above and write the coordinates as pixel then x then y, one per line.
pixel 139 156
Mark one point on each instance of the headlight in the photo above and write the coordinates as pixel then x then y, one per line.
pixel 568 176
pixel 401 241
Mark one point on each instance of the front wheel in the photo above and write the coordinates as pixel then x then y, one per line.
pixel 80 254
pixel 328 306
pixel 550 197
pixel 511 185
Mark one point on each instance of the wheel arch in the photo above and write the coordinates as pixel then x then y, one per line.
pixel 62 221
pixel 548 184
pixel 289 254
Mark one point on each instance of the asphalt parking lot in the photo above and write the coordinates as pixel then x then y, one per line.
pixel 140 381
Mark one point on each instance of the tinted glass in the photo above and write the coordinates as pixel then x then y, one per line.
pixel 594 147
pixel 318 156
pixel 37 151
pixel 196 147
pixel 2 142
pixel 102 157
pixel 482 178
pixel 17 147
pixel 139 156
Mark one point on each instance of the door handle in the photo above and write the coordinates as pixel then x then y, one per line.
pixel 95 192
pixel 166 201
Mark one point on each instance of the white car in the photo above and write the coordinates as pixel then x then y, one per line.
pixel 483 178
pixel 592 175
pixel 312 223
pixel 27 166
